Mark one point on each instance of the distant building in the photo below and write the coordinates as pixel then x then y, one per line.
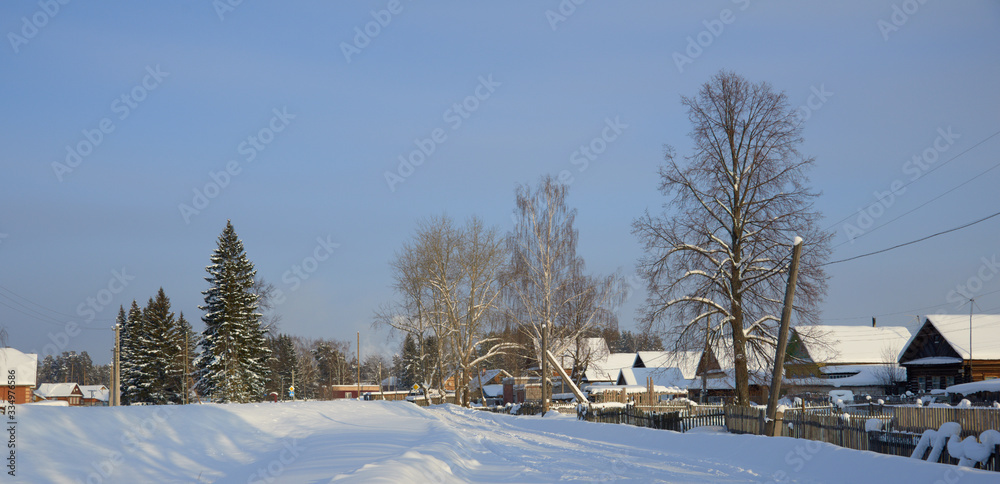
pixel 858 358
pixel 95 395
pixel 22 367
pixel 351 391
pixel 952 349
pixel 66 392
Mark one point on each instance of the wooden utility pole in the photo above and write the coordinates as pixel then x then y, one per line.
pixel 545 369
pixel 116 395
pixel 359 365
pixel 779 356
pixel 184 379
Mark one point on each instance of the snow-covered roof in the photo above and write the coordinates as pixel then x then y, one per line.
pixel 686 361
pixel 485 376
pixel 606 369
pixel 25 366
pixel 862 375
pixel 637 389
pixel 666 377
pixel 955 330
pixel 727 382
pixel 491 391
pixel 589 349
pixel 935 360
pixel 101 392
pixel 975 387
pixel 56 390
pixel 837 344
pixel 390 382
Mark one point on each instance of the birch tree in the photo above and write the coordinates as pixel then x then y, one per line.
pixel 716 258
pixel 550 297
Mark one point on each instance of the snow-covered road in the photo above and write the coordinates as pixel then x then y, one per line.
pixel 350 441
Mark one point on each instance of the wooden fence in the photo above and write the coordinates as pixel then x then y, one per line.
pixel 744 420
pixel 678 420
pixel 973 420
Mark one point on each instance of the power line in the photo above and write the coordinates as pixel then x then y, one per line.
pixel 880 199
pixel 34 303
pixel 914 241
pixel 921 205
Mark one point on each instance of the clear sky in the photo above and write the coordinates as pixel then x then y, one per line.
pixel 121 119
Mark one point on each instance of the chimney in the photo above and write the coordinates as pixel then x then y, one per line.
pixel 873 321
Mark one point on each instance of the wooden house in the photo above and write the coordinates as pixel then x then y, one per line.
pixel 859 358
pixel 19 369
pixel 66 392
pixel 952 349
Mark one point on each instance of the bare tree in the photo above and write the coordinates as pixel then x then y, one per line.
pixel 550 297
pixel 715 260
pixel 889 373
pixel 268 298
pixel 450 280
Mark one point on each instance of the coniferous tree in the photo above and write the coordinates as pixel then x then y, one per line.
pixel 132 376
pixel 233 364
pixel 282 362
pixel 187 341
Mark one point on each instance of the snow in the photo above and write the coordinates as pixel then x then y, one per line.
pixel 24 366
pixel 352 441
pixel 979 386
pixel 836 344
pixel 935 360
pixel 607 368
pixel 955 329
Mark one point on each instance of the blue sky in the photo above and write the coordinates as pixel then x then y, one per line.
pixel 94 183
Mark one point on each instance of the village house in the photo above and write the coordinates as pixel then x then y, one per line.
pixel 349 391
pixel 860 359
pixel 952 349
pixel 95 395
pixel 66 392
pixel 18 369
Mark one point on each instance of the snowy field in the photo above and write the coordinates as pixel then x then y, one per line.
pixel 350 441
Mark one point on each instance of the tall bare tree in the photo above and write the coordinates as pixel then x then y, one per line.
pixel 550 297
pixel 716 258
pixel 451 281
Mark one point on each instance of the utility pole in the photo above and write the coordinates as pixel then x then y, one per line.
pixel 779 357
pixel 116 396
pixel 185 377
pixel 545 369
pixel 359 365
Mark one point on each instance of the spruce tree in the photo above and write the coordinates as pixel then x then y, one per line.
pixel 133 379
pixel 187 341
pixel 232 366
pixel 162 345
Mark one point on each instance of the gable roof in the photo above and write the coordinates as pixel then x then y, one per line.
pixel 25 366
pixel 955 329
pixel 588 349
pixel 859 345
pixel 686 361
pixel 101 392
pixel 58 390
pixel 607 369
pixel 665 377
pixel 486 376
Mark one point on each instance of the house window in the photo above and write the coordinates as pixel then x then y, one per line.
pixel 921 383
pixel 951 381
pixel 936 382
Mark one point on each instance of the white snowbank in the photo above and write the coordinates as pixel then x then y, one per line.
pixel 353 441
